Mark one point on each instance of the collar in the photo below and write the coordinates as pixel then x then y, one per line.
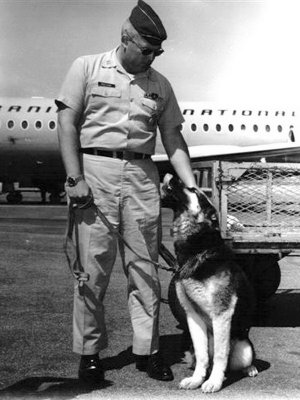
pixel 110 59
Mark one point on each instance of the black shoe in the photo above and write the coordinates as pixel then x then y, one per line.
pixel 141 362
pixel 90 370
pixel 155 367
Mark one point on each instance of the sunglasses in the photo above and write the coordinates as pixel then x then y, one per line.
pixel 145 50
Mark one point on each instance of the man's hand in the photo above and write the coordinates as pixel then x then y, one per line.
pixel 80 195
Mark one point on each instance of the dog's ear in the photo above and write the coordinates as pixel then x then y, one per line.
pixel 167 179
pixel 171 183
pixel 166 188
pixel 206 209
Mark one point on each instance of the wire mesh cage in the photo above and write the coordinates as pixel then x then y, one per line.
pixel 259 198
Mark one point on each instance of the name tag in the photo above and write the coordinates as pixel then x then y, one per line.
pixel 106 84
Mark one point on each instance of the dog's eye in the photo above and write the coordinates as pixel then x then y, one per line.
pixel 192 189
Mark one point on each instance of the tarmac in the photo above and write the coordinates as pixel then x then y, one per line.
pixel 36 361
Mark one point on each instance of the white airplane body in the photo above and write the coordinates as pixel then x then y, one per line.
pixel 29 152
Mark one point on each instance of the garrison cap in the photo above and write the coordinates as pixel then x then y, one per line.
pixel 147 23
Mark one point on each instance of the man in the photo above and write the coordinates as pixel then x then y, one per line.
pixel 110 106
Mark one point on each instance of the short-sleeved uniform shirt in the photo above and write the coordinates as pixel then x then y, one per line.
pixel 118 111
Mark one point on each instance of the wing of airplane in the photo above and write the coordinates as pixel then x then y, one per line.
pixel 236 153
pixel 278 152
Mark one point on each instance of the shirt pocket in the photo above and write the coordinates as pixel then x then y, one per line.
pixel 152 110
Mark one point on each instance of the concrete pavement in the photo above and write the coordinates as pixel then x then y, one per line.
pixel 35 344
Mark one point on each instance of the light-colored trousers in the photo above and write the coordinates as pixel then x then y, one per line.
pixel 127 193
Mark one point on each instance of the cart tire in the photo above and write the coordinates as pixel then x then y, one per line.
pixel 268 276
pixel 263 272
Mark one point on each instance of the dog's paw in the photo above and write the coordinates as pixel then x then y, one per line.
pixel 190 383
pixel 212 385
pixel 250 371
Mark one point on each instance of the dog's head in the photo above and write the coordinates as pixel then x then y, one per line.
pixel 195 218
pixel 190 202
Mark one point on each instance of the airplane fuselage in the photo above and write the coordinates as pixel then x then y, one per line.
pixel 29 152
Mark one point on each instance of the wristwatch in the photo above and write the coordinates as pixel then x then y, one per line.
pixel 72 181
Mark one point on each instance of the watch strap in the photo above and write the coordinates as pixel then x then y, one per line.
pixel 73 180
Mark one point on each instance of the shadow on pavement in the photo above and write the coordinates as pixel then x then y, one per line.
pixel 234 377
pixel 119 361
pixel 172 346
pixel 52 387
pixel 67 388
pixel 281 310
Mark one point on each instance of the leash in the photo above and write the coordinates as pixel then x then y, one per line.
pixel 169 258
pixel 120 237
pixel 71 249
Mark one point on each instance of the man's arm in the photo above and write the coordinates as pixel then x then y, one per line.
pixel 69 146
pixel 178 154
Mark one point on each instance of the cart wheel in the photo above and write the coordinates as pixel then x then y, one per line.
pixel 263 271
pixel 268 276
pixel 175 306
pixel 14 197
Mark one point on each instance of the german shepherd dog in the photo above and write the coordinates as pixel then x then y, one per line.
pixel 213 290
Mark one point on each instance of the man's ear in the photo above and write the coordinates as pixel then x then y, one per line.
pixel 124 42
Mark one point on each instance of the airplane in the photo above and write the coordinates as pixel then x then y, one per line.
pixel 30 157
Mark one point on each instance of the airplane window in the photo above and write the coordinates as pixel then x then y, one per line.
pixel 279 128
pixel 10 124
pixel 38 124
pixel 230 127
pixel 268 128
pixel 243 127
pixel 24 124
pixel 218 127
pixel 291 134
pixel 52 125
pixel 193 127
pixel 205 127
pixel 255 128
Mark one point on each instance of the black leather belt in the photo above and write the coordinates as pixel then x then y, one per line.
pixel 123 155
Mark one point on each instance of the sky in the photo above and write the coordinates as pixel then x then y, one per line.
pixel 229 51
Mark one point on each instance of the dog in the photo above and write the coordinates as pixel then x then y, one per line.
pixel 213 290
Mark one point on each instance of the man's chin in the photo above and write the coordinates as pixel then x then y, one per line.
pixel 143 68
